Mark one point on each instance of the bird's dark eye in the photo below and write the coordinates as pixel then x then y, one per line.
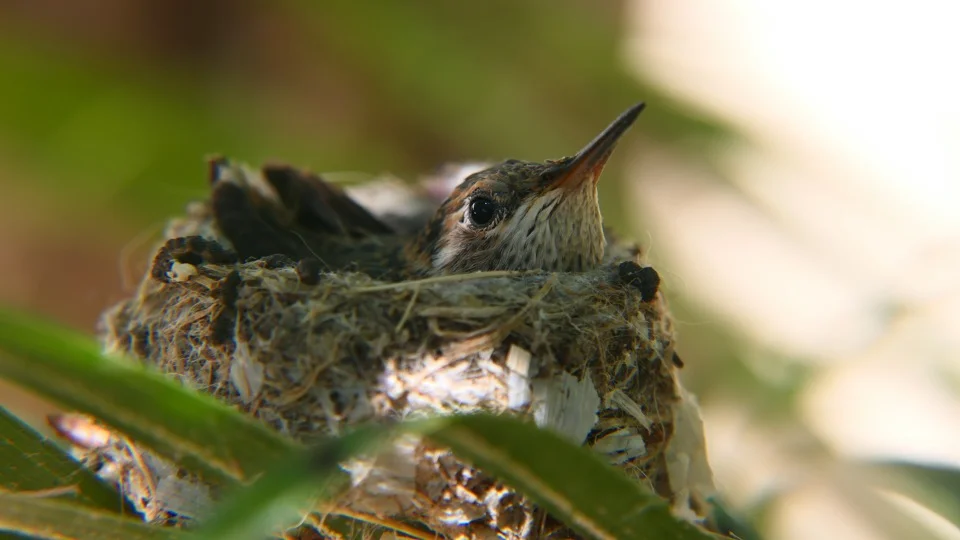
pixel 482 211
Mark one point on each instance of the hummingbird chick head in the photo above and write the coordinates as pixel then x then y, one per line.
pixel 521 215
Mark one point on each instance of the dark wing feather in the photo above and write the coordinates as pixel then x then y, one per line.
pixel 320 206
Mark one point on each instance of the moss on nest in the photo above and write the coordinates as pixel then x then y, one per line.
pixel 312 352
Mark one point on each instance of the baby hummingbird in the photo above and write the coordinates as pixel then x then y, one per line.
pixel 521 215
pixel 516 215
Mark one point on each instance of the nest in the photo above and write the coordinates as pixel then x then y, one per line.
pixel 312 351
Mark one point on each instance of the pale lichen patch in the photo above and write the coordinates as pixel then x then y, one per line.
pixel 246 374
pixel 566 405
pixel 181 271
pixel 519 391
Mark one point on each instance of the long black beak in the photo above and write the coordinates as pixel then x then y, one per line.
pixel 589 162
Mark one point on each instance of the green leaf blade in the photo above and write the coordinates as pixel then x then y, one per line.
pixel 935 486
pixel 41 517
pixel 193 429
pixel 569 481
pixel 291 489
pixel 29 462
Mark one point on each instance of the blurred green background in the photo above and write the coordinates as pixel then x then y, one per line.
pixel 108 109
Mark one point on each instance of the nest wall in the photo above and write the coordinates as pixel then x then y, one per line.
pixel 312 351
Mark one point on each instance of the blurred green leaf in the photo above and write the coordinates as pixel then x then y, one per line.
pixel 732 525
pixel 520 80
pixel 887 519
pixel 39 517
pixel 292 489
pixel 29 462
pixel 92 135
pixel 190 428
pixel 935 486
pixel 571 482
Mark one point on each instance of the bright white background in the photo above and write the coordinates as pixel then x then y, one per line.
pixel 835 240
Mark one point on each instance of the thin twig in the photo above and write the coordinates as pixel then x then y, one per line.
pixel 388 523
pixel 452 278
pixel 497 328
pixel 406 312
pixel 311 379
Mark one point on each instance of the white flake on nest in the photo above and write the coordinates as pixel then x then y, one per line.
pixel 566 405
pixel 246 374
pixel 518 377
pixel 181 271
pixel 151 483
pixel 621 446
pixel 563 404
pixel 82 430
pixel 437 384
pixel 691 479
pixel 460 515
pixel 182 496
pixel 618 399
pixel 386 481
pixel 624 444
pixel 154 486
